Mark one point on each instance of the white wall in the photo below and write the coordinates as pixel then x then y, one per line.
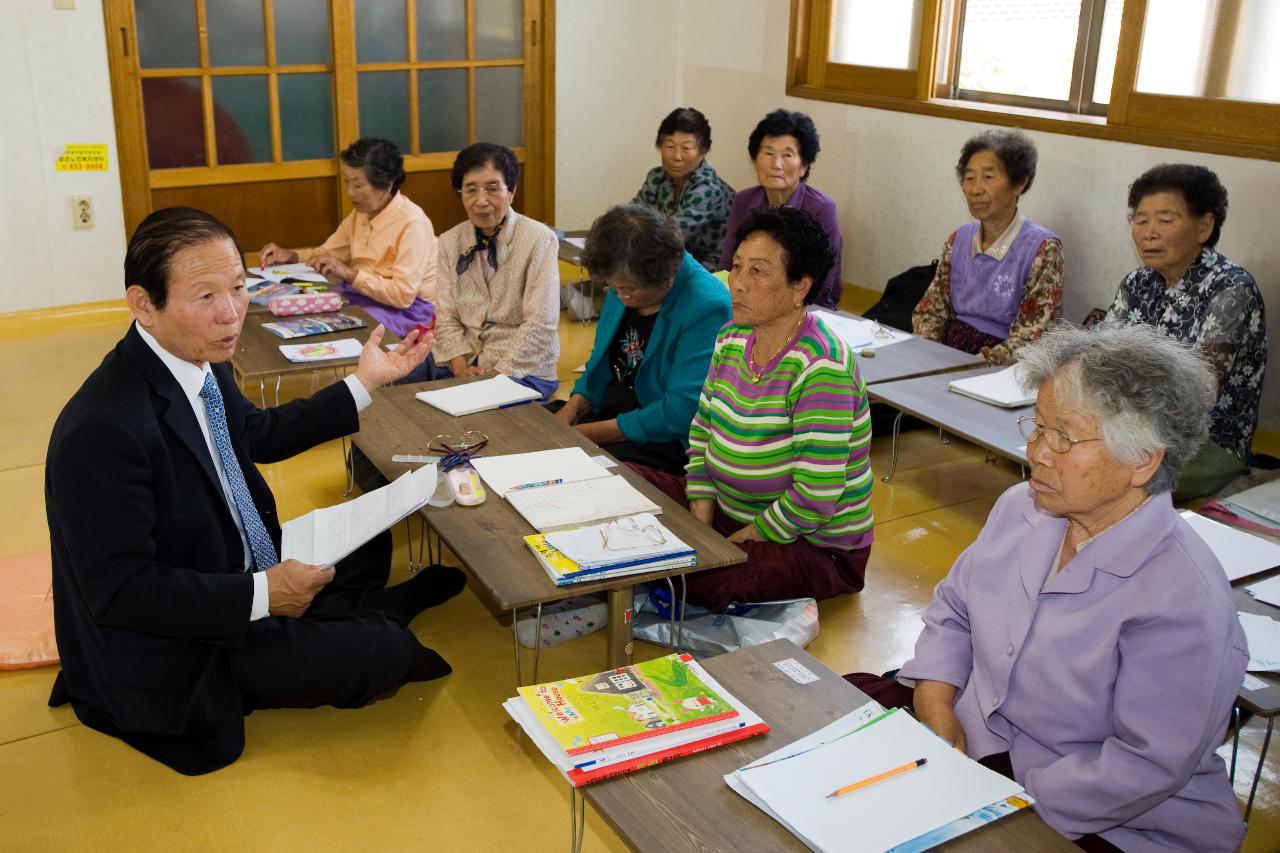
pixel 56 90
pixel 892 173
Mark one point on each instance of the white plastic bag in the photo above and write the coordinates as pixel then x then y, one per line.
pixel 739 626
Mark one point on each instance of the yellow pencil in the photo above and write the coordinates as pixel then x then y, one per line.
pixel 919 762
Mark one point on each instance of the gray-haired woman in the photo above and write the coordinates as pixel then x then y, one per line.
pixel 999 282
pixel 653 342
pixel 1086 603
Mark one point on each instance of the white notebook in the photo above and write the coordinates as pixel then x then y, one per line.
pixel 471 397
pixel 567 505
pixel 1004 388
pixel 322 350
pixel 513 471
pixel 1241 554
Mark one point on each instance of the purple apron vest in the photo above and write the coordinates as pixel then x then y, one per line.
pixel 986 293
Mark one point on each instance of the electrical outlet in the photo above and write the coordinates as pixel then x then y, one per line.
pixel 82 211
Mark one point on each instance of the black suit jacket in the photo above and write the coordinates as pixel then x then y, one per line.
pixel 150 592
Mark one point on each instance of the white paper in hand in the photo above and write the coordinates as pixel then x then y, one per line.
pixel 322 537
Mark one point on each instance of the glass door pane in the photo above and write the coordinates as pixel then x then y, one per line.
pixel 235 32
pixel 167 34
pixel 499 105
pixel 242 119
pixel 384 106
pixel 442 30
pixel 498 25
pixel 306 116
pixel 174 120
pixel 302 32
pixel 380 31
pixel 442 109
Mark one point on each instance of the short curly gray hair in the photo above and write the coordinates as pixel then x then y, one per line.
pixel 1148 391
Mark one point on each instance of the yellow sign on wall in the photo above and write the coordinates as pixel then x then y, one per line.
pixel 83 157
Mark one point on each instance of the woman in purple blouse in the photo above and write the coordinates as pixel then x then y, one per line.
pixel 1087 643
pixel 783 147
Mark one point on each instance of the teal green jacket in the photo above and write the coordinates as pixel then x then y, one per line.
pixel 676 359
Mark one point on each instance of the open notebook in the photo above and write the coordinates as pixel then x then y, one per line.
pixel 1004 388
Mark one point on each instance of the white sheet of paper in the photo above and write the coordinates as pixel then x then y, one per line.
pixel 886 813
pixel 580 242
pixel 471 397
pixel 861 334
pixel 324 536
pixel 1263 634
pixel 586 547
pixel 1241 554
pixel 513 470
pixel 280 272
pixel 575 504
pixel 1267 591
pixel 1003 388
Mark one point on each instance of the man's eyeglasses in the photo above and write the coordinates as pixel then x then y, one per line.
pixel 491 189
pixel 1058 441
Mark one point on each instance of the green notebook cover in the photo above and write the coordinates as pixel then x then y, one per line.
pixel 609 708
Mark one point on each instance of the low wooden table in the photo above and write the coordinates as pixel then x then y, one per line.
pixel 489 538
pixel 258 353
pixel 907 359
pixel 1263 701
pixel 930 399
pixel 686 805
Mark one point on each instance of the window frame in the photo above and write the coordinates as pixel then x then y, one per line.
pixel 1241 128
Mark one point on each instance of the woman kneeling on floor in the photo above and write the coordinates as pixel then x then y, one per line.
pixel 779 447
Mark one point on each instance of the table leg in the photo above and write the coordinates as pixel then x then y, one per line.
pixel 350 466
pixel 537 643
pixel 577 819
pixel 943 437
pixel 672 642
pixel 893 451
pixel 1257 774
pixel 262 391
pixel 620 644
pixel 684 590
pixel 1235 739
pixel 279 379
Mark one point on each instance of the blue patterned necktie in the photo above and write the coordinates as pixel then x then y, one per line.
pixel 264 550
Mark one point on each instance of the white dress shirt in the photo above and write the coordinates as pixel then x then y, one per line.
pixel 190 379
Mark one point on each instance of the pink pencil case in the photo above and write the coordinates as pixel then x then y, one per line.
pixel 304 303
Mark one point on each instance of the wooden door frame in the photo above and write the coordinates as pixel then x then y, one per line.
pixel 131 143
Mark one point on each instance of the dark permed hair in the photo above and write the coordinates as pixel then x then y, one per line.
pixel 686 120
pixel 483 154
pixel 635 243
pixel 1199 186
pixel 380 159
pixel 806 246
pixel 787 123
pixel 158 238
pixel 1015 150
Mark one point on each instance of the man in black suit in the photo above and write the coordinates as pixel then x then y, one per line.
pixel 175 616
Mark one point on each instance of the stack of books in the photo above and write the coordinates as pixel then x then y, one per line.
pixel 626 546
pixel 615 722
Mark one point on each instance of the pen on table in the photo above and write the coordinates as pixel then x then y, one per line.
pixel 838 792
pixel 535 485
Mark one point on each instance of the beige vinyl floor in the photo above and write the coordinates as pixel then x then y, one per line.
pixel 435 766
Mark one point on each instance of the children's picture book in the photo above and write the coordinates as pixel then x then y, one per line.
pixel 609 708
pixel 315 324
pixel 564 571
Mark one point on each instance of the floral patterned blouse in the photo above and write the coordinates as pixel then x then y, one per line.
pixel 701 210
pixel 1040 302
pixel 1216 306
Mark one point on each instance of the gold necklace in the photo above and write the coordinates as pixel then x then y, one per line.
pixel 758 373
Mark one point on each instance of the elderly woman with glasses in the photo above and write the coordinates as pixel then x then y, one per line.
pixel 779 448
pixel 1086 643
pixel 383 255
pixel 499 295
pixel 653 343
pixel 1193 293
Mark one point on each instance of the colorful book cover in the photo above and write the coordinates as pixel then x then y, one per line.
pixel 565 571
pixel 316 324
pixel 609 708
pixel 580 776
